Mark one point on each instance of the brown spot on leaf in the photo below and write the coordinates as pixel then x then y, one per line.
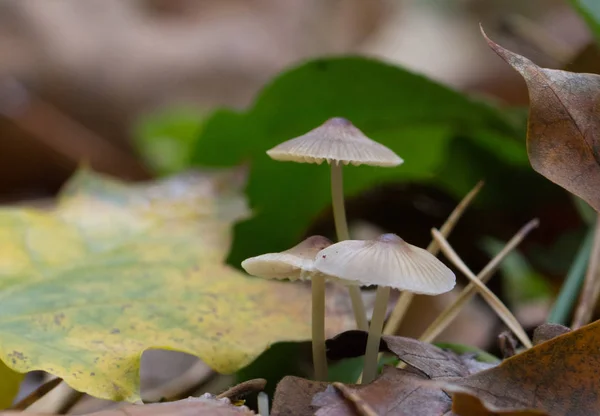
pixel 58 318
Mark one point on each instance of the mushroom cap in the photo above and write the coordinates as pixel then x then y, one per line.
pixel 387 261
pixel 336 140
pixel 288 264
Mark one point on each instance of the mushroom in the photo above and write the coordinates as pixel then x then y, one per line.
pixel 338 142
pixel 297 263
pixel 388 262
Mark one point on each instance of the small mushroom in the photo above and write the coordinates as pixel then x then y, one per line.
pixel 388 262
pixel 297 263
pixel 338 142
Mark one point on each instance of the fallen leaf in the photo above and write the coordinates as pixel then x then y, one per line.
pixel 117 269
pixel 294 395
pixel 555 378
pixel 432 361
pixel 563 132
pixel 559 376
pixel 205 405
pixel 395 392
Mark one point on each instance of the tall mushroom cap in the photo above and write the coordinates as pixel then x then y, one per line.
pixel 288 264
pixel 335 140
pixel 387 261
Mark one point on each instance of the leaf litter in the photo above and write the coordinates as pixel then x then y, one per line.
pixel 559 376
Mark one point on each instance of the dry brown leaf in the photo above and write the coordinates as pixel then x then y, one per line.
pixel 429 359
pixel 559 376
pixel 546 332
pixel 206 405
pixel 293 396
pixel 563 132
pixel 395 393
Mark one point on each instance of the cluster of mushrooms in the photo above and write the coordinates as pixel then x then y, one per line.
pixel 387 262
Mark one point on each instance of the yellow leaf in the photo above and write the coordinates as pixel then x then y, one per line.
pixel 9 385
pixel 114 270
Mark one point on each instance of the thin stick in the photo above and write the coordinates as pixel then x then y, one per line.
pixel 58 401
pixel 182 385
pixel 37 394
pixel 591 284
pixel 446 317
pixel 372 351
pixel 245 388
pixel 318 327
pixel 405 299
pixel 496 304
pixel 360 406
pixel 341 229
pixel 65 136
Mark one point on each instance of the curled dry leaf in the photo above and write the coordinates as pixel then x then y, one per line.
pixel 563 132
pixel 559 376
pixel 206 405
pixel 395 392
pixel 117 269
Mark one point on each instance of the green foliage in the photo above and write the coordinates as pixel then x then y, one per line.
pixel 166 139
pixel 480 355
pixel 522 283
pixel 419 119
pixel 590 11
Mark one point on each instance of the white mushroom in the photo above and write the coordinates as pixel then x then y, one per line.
pixel 388 262
pixel 297 263
pixel 338 142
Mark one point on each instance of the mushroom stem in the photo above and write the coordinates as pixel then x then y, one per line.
pixel 318 327
pixel 341 229
pixel 372 351
pixel 337 199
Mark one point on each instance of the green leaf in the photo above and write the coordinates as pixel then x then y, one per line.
pixel 349 370
pixel 165 140
pixel 412 115
pixel 116 269
pixel 10 381
pixel 522 283
pixel 569 292
pixel 480 355
pixel 590 11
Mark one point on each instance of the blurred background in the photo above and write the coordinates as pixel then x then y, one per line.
pixel 95 81
pixel 76 76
